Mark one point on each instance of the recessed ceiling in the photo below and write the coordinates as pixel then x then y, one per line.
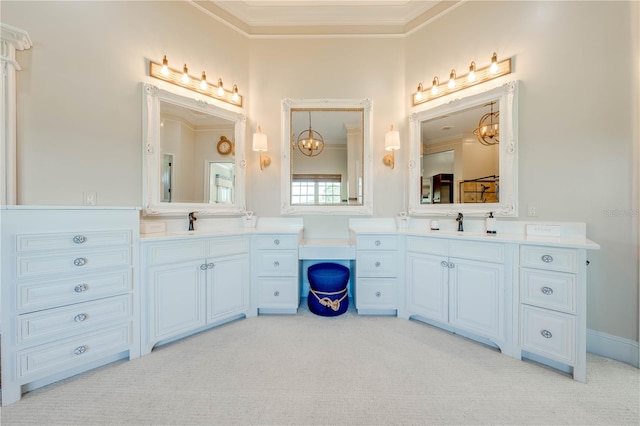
pixel 325 18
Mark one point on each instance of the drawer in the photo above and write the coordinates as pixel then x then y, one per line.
pixel 265 242
pixel 277 262
pixel 477 250
pixel 69 240
pixel 162 254
pixel 226 246
pixel 437 246
pixel 551 258
pixel 72 261
pixel 278 292
pixel 376 242
pixel 377 264
pixel 553 290
pixel 55 357
pixel 549 334
pixel 73 319
pixel 47 294
pixel 376 294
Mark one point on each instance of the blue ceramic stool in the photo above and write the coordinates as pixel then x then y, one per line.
pixel 328 294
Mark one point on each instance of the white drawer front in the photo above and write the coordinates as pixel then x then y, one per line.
pixel 69 353
pixel 277 262
pixel 276 242
pixel 43 294
pixel 278 292
pixel 67 240
pixel 162 254
pixel 548 333
pixel 73 319
pixel 377 264
pixel 477 250
pixel 376 294
pixel 227 246
pixel 376 242
pixel 73 261
pixel 437 246
pixel 553 290
pixel 551 258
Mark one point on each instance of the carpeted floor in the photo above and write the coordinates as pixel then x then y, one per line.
pixel 347 370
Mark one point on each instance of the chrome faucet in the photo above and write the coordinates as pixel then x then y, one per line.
pixel 459 220
pixel 192 218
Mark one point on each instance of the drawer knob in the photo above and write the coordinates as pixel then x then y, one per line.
pixel 276 293
pixel 378 264
pixel 276 264
pixel 378 294
pixel 79 239
pixel 210 265
pixel 444 264
pixel 377 243
pixel 80 288
pixel 547 258
pixel 203 266
pixel 81 261
pixel 276 242
pixel 80 350
pixel 80 317
pixel 546 334
pixel 547 290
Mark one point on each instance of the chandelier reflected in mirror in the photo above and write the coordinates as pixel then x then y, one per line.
pixel 488 130
pixel 310 142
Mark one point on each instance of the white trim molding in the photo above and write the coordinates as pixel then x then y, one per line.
pixel 614 347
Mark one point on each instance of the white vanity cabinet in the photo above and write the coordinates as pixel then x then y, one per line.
pixel 461 284
pixel 67 293
pixel 191 283
pixel 553 305
pixel 276 272
pixel 378 268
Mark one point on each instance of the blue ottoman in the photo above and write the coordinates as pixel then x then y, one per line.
pixel 328 294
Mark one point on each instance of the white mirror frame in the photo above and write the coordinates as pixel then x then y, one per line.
pixel 152 189
pixel 507 96
pixel 366 208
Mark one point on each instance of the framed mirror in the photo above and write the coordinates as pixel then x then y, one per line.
pixel 464 156
pixel 327 159
pixel 193 155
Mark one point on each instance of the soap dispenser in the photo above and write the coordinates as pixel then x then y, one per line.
pixel 491 224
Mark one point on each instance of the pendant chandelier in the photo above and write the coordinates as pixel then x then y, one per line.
pixel 488 131
pixel 310 142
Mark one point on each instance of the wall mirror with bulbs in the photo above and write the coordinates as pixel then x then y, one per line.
pixel 327 160
pixel 193 158
pixel 463 155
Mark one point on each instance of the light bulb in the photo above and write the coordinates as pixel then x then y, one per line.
pixel 494 63
pixel 185 75
pixel 203 81
pixel 434 86
pixel 471 77
pixel 220 88
pixel 165 66
pixel 236 96
pixel 452 79
pixel 419 92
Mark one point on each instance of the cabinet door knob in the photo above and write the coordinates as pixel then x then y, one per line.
pixel 203 266
pixel 210 265
pixel 80 350
pixel 547 290
pixel 444 264
pixel 276 242
pixel 79 239
pixel 80 261
pixel 378 294
pixel 547 258
pixel 451 265
pixel 276 293
pixel 276 264
pixel 80 317
pixel 80 288
pixel 546 334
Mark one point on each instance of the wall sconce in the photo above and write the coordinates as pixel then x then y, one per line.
pixel 391 143
pixel 260 144
pixel 183 79
pixel 475 76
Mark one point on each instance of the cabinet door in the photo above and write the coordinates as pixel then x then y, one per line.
pixel 227 286
pixel 428 290
pixel 477 297
pixel 177 299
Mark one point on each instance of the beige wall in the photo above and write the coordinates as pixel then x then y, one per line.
pixel 79 108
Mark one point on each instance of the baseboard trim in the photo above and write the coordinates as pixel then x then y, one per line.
pixel 613 347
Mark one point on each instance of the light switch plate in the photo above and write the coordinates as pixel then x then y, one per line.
pixel 543 230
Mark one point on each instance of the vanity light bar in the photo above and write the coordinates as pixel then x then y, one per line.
pixel 460 82
pixel 173 76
